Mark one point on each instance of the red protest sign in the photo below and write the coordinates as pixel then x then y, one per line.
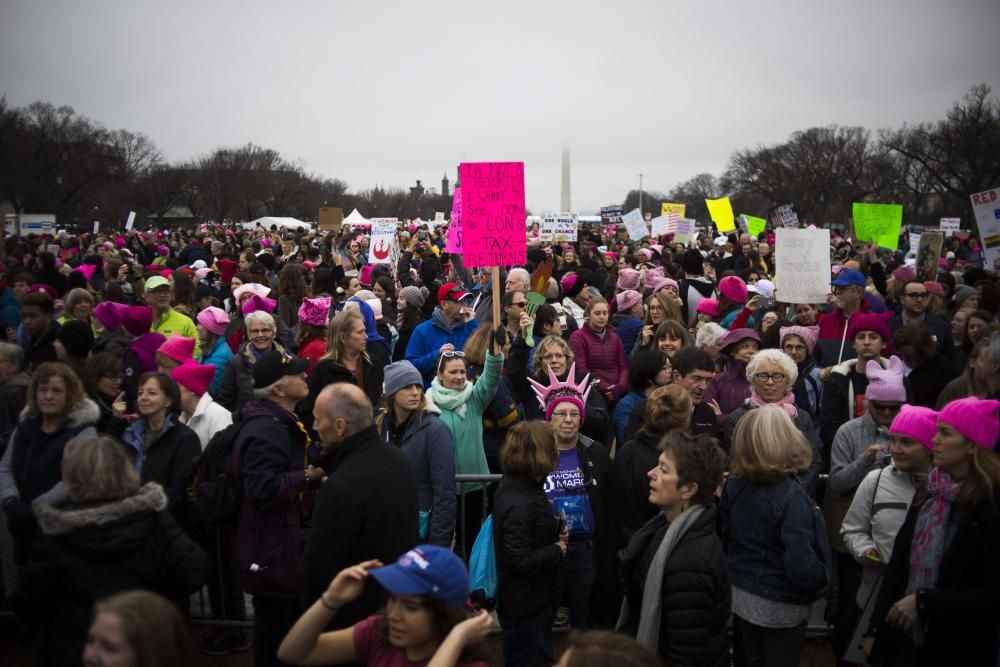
pixel 493 214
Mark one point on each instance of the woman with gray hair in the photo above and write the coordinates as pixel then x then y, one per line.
pixel 237 379
pixel 709 338
pixel 772 375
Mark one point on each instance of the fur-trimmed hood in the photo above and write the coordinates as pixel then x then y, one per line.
pixel 57 516
pixel 85 413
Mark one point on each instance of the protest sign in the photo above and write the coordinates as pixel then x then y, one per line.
pixel 755 225
pixel 130 221
pixel 383 248
pixel 986 206
pixel 741 222
pixel 950 225
pixel 547 230
pixel 454 242
pixel 802 265
pixel 928 254
pixel 611 215
pixel 97 225
pixel 721 212
pixel 783 216
pixel 331 218
pixel 685 231
pixel 659 226
pixel 878 223
pixel 493 214
pixel 564 228
pixel 914 244
pixel 635 225
pixel 666 208
pixel 438 216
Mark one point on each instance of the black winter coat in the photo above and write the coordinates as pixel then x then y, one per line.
pixel 169 461
pixel 88 551
pixel 632 464
pixel 696 598
pixel 524 542
pixel 367 508
pixel 327 372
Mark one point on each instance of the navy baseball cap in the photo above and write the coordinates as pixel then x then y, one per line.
pixel 849 277
pixel 427 570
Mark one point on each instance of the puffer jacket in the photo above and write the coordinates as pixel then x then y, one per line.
pixel 168 461
pixel 628 328
pixel 218 355
pixel 730 388
pixel 524 541
pixel 603 357
pixel 428 337
pixel 428 447
pixel 87 551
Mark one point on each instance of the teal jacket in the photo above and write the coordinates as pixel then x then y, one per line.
pixel 218 356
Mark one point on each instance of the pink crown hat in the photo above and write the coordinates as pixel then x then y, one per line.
pixel 559 392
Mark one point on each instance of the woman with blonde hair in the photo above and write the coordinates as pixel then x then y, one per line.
pixel 78 305
pixel 138 629
pixel 101 535
pixel 778 555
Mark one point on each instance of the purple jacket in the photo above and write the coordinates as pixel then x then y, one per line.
pixel 730 388
pixel 603 359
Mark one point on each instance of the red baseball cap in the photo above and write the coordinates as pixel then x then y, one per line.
pixel 452 292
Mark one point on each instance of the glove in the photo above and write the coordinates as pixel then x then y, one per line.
pixel 20 519
pixel 500 336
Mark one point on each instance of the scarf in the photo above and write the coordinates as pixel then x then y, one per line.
pixel 648 633
pixel 451 399
pixel 927 547
pixel 787 403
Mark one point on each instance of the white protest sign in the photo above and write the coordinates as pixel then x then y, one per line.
pixel 986 206
pixel 802 265
pixel 659 226
pixel 547 230
pixel 950 225
pixel 914 244
pixel 438 216
pixel 97 225
pixel 635 224
pixel 565 228
pixel 685 231
pixel 130 221
pixel 383 246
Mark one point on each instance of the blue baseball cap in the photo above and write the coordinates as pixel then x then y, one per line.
pixel 427 570
pixel 849 277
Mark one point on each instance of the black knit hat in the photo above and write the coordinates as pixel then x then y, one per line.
pixel 77 337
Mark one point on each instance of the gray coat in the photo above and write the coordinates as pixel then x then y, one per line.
pixel 428 447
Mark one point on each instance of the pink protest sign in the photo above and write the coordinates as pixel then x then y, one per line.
pixel 454 243
pixel 493 214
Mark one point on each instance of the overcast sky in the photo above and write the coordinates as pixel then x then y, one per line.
pixel 389 92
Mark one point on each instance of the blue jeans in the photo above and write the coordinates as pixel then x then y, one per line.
pixel 527 640
pixel 577 575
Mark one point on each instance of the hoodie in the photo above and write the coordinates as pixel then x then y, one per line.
pixel 428 337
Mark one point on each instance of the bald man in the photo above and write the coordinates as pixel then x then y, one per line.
pixel 367 508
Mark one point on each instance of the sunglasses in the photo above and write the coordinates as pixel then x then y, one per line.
pixel 886 407
pixel 451 354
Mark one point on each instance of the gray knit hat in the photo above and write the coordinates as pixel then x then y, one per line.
pixel 398 375
pixel 413 296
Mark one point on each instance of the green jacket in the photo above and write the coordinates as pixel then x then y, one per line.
pixel 174 322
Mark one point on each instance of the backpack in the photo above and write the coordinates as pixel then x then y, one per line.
pixel 215 491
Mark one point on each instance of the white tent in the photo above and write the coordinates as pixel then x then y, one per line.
pixel 267 221
pixel 355 219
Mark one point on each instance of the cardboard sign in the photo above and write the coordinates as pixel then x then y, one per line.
pixel 454 242
pixel 611 215
pixel 564 227
pixel 721 212
pixel 754 225
pixel 383 248
pixel 635 225
pixel 493 214
pixel 986 206
pixel 950 225
pixel 666 208
pixel 130 221
pixel 878 223
pixel 331 218
pixel 685 231
pixel 928 254
pixel 659 226
pixel 802 265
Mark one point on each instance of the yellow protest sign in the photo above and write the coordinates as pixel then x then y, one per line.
pixel 721 212
pixel 666 208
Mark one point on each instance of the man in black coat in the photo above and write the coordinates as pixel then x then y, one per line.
pixel 916 298
pixel 367 508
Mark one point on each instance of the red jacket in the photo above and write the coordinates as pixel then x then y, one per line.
pixel 833 346
pixel 603 359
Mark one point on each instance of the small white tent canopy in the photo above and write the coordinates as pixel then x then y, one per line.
pixel 355 219
pixel 267 221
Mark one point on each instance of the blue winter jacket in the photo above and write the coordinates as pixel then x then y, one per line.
pixel 428 337
pixel 10 310
pixel 218 356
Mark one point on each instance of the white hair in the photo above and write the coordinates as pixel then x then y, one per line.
pixel 778 358
pixel 520 274
pixel 262 317
pixel 709 334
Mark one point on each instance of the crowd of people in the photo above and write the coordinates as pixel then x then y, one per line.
pixel 689 464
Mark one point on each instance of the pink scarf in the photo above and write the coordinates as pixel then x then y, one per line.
pixel 787 403
pixel 927 546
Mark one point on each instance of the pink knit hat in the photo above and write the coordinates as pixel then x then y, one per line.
pixel 885 384
pixel 734 288
pixel 808 334
pixel 254 288
pixel 627 279
pixel 916 422
pixel 137 320
pixel 315 312
pixel 978 419
pixel 660 283
pixel 194 377
pixel 365 275
pixel 652 274
pixel 904 274
pixel 258 302
pixel 87 270
pixel 376 306
pixel 214 319
pixel 627 299
pixel 177 347
pixel 110 314
pixel 708 306
pixel 869 322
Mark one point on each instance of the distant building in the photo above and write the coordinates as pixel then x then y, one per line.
pixel 417 190
pixel 444 185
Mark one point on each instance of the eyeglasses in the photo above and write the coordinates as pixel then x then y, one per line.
pixel 917 295
pixel 886 407
pixel 566 415
pixel 763 378
pixel 260 332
